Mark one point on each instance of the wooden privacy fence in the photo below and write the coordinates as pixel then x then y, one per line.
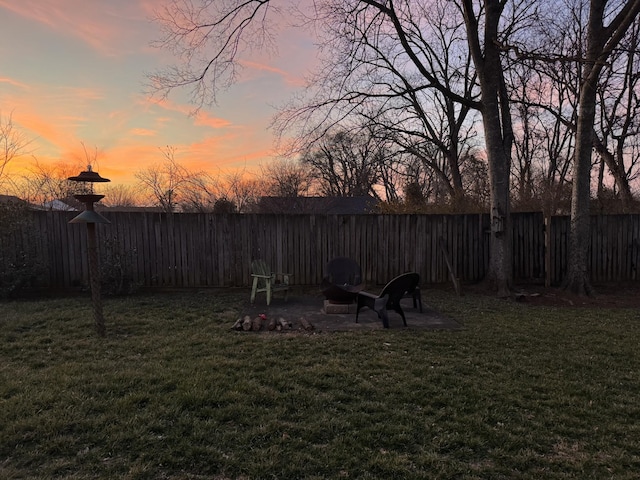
pixel 209 250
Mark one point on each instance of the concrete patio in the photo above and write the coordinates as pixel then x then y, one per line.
pixel 313 308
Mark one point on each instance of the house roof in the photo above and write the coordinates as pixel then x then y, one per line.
pixel 121 208
pixel 67 204
pixel 5 199
pixel 317 205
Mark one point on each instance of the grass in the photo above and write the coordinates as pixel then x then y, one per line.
pixel 173 393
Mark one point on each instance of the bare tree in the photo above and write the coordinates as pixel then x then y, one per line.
pixel 617 123
pixel 383 38
pixel 545 96
pixel 286 178
pixel 13 144
pixel 582 42
pixel 368 80
pixel 46 183
pixel 345 165
pixel 120 195
pixel 199 194
pixel 170 185
pixel 243 191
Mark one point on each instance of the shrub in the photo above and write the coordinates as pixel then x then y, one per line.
pixel 116 277
pixel 21 266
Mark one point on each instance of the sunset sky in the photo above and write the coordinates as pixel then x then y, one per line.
pixel 72 72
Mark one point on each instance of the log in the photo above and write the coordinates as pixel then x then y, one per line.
pixel 283 323
pixel 272 324
pixel 306 324
pixel 246 323
pixel 257 324
pixel 238 324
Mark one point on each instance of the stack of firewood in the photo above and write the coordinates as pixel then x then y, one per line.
pixel 255 325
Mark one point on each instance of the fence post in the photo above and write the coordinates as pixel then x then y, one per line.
pixel 547 250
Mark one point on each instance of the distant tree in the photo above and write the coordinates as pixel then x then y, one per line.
pixel 13 144
pixel 476 184
pixel 170 185
pixel 200 193
pixel 120 195
pixel 415 174
pixel 224 205
pixel 161 181
pixel 545 95
pixel 286 178
pixel 45 183
pixel 243 191
pixel 346 165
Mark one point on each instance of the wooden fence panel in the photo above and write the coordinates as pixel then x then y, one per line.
pixel 207 250
pixel 528 247
pixel 634 250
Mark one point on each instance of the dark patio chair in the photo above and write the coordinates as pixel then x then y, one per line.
pixel 342 280
pixel 389 298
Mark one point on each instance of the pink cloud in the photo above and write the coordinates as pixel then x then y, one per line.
pixel 288 78
pixel 201 118
pixel 14 83
pixel 102 25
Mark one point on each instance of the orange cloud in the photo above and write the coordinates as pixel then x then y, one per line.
pixel 143 132
pixel 121 163
pixel 43 130
pixel 204 119
pixel 216 154
pixel 42 110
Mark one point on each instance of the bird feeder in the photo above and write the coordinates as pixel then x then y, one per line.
pixel 91 217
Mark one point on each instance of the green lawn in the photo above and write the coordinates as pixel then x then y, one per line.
pixel 173 393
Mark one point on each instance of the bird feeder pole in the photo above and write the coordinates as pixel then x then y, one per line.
pixel 91 217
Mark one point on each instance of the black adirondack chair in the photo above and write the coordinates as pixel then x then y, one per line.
pixel 389 298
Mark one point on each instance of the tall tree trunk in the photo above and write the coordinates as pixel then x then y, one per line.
pixel 577 280
pixel 500 268
pixel 498 131
pixel 601 41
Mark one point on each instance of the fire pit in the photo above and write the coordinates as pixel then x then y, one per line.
pixel 342 280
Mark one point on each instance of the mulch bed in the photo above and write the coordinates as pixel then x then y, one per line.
pixel 606 296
